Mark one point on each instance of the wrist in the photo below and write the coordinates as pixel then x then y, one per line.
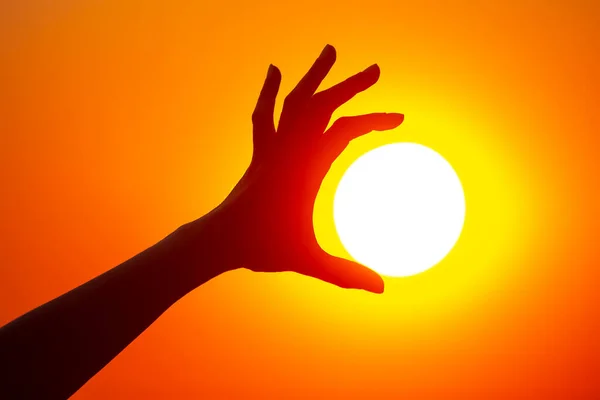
pixel 202 249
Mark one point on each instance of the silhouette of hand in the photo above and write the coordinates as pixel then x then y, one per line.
pixel 268 217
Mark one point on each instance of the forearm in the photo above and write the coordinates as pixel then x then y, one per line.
pixel 53 350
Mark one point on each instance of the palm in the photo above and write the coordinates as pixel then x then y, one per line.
pixel 273 203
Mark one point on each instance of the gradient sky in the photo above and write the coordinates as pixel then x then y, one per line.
pixel 120 120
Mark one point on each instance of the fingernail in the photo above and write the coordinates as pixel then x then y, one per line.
pixel 270 71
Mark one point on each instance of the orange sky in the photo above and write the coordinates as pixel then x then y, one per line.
pixel 121 120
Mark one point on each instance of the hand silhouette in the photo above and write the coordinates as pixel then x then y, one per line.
pixel 265 224
pixel 269 214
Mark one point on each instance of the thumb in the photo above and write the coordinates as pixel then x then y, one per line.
pixel 344 273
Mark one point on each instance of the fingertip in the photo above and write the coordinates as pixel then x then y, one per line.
pixel 362 277
pixel 329 52
pixel 374 283
pixel 273 73
pixel 373 72
pixel 376 70
pixel 396 118
pixel 380 289
pixel 384 121
pixel 344 273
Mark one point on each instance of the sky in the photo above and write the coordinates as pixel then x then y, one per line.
pixel 121 120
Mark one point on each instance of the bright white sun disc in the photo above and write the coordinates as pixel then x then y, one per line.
pixel 399 209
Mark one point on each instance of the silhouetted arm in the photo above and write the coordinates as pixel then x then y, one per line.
pixel 264 224
pixel 53 350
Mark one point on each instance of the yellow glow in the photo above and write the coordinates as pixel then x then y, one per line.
pixel 399 209
pixel 501 212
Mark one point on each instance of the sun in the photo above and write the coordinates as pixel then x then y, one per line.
pixel 399 209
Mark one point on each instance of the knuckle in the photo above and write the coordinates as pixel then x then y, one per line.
pixel 319 99
pixel 342 122
pixel 291 100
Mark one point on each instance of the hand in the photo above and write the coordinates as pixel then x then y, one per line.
pixel 268 216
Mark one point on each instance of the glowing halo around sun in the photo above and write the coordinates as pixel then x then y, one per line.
pixel 399 209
